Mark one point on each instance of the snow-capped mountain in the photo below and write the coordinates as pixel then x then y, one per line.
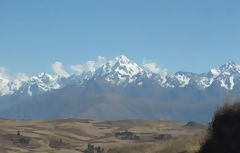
pixel 4 86
pixel 41 83
pixel 227 76
pixel 121 71
pixel 120 89
pixel 118 71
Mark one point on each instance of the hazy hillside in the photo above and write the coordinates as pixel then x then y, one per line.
pixel 109 103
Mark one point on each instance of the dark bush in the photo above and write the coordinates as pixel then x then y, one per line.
pixel 92 149
pixel 24 140
pixel 224 131
pixel 126 135
pixel 163 137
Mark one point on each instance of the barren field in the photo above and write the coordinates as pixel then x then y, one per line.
pixel 124 136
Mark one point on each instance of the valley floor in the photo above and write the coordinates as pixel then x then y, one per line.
pixel 79 135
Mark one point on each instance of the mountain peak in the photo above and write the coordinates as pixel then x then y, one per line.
pixel 121 59
pixel 43 74
pixel 119 70
pixel 124 66
pixel 230 67
pixel 230 63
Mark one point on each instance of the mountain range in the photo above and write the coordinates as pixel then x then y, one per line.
pixel 120 89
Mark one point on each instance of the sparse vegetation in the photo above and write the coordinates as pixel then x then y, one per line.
pixel 58 144
pixel 163 137
pixel 18 133
pixel 126 135
pixel 19 139
pixel 92 149
pixel 180 145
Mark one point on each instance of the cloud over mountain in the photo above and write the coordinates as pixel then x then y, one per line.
pixel 3 73
pixel 58 69
pixel 154 67
pixel 89 66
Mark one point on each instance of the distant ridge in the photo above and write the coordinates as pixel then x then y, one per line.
pixel 121 89
pixel 123 71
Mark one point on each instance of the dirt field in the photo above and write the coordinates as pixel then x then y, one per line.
pixel 74 135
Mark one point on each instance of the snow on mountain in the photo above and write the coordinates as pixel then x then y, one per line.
pixel 40 83
pixel 182 78
pixel 119 70
pixel 45 81
pixel 230 68
pixel 224 76
pixel 227 75
pixel 122 71
pixel 4 81
pixel 4 88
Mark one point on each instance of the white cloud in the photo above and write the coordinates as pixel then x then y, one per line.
pixel 102 59
pixel 4 80
pixel 77 68
pixel 155 68
pixel 21 76
pixel 58 69
pixel 17 82
pixel 3 74
pixel 89 66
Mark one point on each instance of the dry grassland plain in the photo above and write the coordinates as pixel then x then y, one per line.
pixel 74 135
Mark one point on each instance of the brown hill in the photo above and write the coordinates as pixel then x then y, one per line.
pixel 74 135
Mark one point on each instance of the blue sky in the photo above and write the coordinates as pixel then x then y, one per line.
pixel 187 35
